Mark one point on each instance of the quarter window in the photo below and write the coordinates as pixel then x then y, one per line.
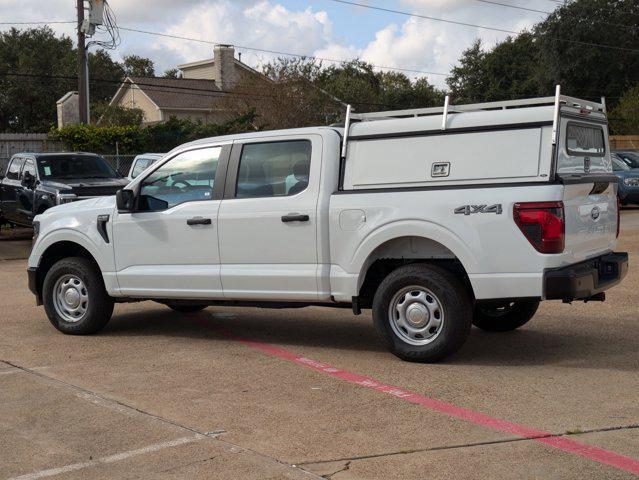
pixel 585 140
pixel 188 177
pixel 14 169
pixel 274 169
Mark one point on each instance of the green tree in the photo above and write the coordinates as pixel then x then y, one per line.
pixel 138 66
pixel 105 76
pixel 569 56
pixel 572 47
pixel 624 118
pixel 35 67
pixel 172 73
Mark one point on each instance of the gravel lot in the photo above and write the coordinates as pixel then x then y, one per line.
pixel 249 393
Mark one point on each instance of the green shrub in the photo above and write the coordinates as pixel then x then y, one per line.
pixel 133 139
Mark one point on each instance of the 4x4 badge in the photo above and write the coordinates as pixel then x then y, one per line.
pixel 469 209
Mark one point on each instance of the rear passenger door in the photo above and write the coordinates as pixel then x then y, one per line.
pixel 9 190
pixel 268 219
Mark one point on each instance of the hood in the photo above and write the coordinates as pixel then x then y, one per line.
pixel 70 183
pixel 98 204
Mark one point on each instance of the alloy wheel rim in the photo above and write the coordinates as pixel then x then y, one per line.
pixel 70 298
pixel 416 315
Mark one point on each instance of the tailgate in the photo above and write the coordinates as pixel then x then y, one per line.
pixel 590 188
pixel 590 209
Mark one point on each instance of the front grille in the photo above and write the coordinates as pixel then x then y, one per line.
pixel 96 191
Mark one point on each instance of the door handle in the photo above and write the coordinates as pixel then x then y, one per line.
pixel 295 217
pixel 198 221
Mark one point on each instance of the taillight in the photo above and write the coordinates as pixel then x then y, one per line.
pixel 618 216
pixel 542 223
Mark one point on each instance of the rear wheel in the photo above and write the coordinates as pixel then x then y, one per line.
pixel 74 297
pixel 504 317
pixel 185 308
pixel 422 312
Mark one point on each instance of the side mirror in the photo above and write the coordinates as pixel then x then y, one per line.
pixel 125 200
pixel 28 180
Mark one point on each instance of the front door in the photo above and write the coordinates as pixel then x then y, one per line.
pixel 9 189
pixel 169 247
pixel 268 219
pixel 26 195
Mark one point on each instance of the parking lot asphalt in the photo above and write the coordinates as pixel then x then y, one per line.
pixel 311 393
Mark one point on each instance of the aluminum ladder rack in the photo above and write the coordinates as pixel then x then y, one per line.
pixel 557 101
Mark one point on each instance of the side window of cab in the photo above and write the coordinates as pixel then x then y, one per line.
pixel 187 177
pixel 14 168
pixel 273 169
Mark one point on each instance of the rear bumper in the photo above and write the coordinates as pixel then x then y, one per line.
pixel 584 280
pixel 32 275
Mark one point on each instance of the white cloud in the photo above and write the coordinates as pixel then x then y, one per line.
pixel 405 42
pixel 259 24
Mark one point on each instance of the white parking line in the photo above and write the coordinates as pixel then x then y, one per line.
pixel 109 459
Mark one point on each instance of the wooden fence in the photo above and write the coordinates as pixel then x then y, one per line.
pixel 624 142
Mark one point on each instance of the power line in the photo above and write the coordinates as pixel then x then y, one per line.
pixel 275 52
pixel 474 25
pixel 546 12
pixel 255 49
pixel 33 23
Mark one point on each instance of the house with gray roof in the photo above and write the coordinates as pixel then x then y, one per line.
pixel 197 95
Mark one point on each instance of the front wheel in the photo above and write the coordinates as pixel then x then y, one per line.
pixel 74 297
pixel 422 312
pixel 504 317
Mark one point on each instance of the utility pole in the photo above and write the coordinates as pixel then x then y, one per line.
pixel 83 74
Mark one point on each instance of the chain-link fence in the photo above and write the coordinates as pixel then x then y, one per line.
pixel 120 163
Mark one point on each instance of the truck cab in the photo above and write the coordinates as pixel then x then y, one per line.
pixel 435 219
pixel 35 182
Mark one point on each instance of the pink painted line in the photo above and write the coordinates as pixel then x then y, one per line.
pixel 564 444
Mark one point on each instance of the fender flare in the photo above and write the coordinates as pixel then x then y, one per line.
pixel 72 236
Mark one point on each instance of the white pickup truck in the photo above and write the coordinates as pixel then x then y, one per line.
pixel 436 219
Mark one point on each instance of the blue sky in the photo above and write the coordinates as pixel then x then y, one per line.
pixel 321 28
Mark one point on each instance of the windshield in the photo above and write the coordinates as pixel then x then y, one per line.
pixel 632 159
pixel 140 165
pixel 619 165
pixel 74 166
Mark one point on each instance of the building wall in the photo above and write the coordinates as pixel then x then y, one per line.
pixel 68 110
pixel 206 71
pixel 134 98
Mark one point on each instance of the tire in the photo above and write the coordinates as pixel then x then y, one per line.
pixel 186 308
pixel 83 283
pixel 435 323
pixel 505 318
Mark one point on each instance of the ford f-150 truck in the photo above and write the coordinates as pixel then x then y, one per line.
pixel 35 182
pixel 436 219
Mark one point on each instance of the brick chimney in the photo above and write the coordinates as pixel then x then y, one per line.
pixel 224 66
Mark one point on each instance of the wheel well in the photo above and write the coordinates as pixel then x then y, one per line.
pixel 57 252
pixel 405 251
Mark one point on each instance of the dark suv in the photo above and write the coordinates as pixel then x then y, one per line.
pixel 34 182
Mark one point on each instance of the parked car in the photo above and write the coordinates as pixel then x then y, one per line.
pixel 142 162
pixel 628 189
pixel 435 219
pixel 35 182
pixel 629 157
